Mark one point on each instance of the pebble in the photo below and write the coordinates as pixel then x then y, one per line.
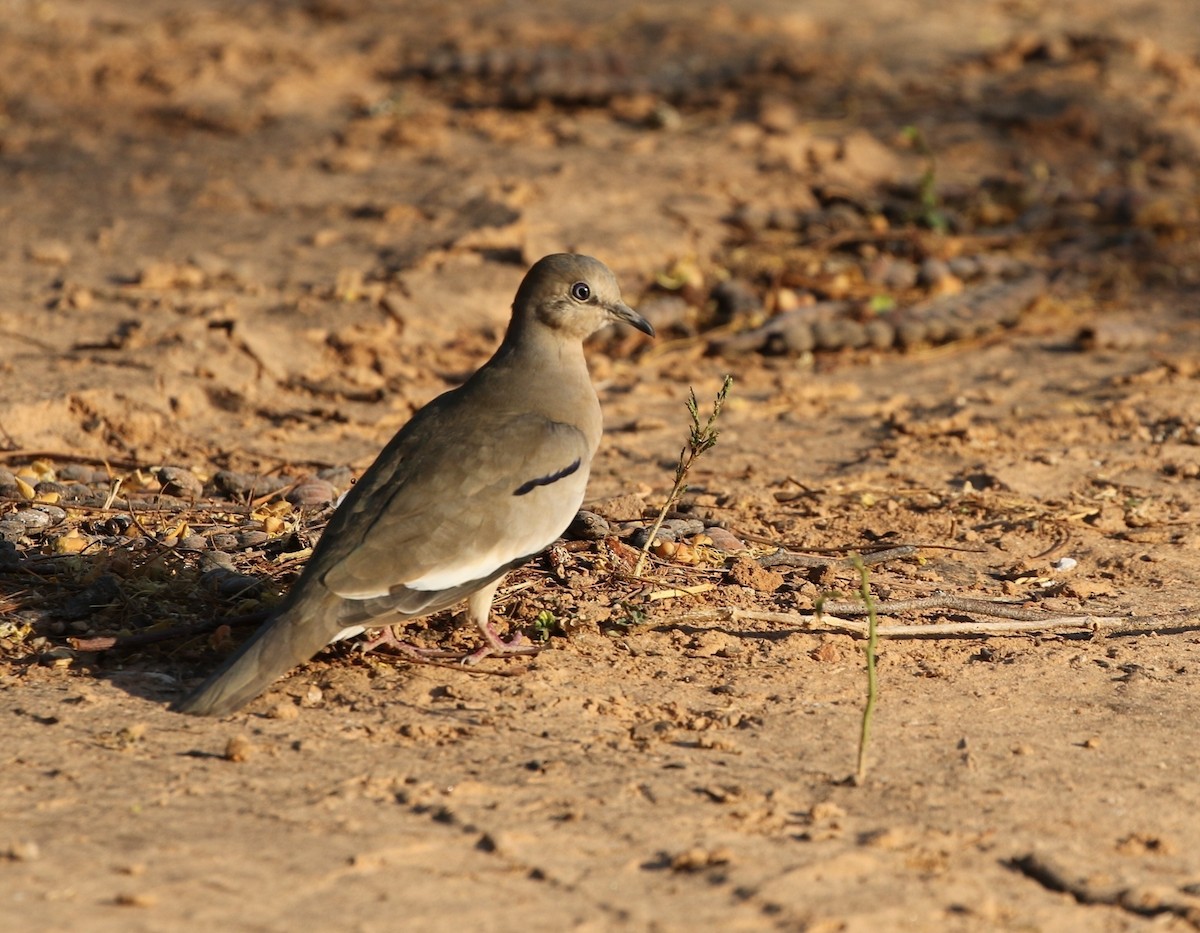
pixel 11 530
pixel 724 540
pixel 892 273
pixel 668 314
pixel 242 484
pixel 31 519
pixel 965 267
pixel 342 477
pixel 238 748
pixel 735 298
pixel 179 481
pixel 684 527
pixel 673 529
pixel 53 512
pixel 934 272
pixel 588 526
pixel 251 538
pixel 311 493
pixel 641 536
pixel 230 584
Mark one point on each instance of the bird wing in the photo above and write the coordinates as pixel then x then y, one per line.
pixel 445 510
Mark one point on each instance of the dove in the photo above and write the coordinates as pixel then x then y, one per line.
pixel 479 481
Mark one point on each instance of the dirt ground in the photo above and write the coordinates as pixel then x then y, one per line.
pixel 253 238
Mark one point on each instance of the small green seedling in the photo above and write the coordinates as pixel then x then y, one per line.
pixel 701 439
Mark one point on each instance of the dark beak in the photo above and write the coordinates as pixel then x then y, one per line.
pixel 622 312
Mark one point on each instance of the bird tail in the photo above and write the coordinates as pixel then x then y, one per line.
pixel 290 637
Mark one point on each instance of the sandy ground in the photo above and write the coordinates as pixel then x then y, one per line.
pixel 256 237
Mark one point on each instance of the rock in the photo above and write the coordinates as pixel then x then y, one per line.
pixel 724 540
pixel 311 493
pixel 230 585
pixel 179 481
pixel 54 514
pixel 588 526
pixel 244 484
pixel 251 538
pixel 31 519
pixel 735 299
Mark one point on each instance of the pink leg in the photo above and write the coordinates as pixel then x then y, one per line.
pixel 479 607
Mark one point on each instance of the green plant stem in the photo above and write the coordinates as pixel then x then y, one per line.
pixel 701 439
pixel 864 737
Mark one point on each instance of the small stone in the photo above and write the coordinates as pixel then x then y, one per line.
pixel 311 493
pixel 50 252
pixel 723 540
pixel 12 531
pixel 735 299
pixel 934 272
pixel 238 748
pixel 47 489
pixel 284 709
pixel 668 314
pixel 342 477
pixel 699 859
pixel 312 697
pixel 251 538
pixel 641 536
pixel 244 484
pixel 24 850
pixel 32 519
pixel 683 527
pixel 231 585
pixel 964 267
pixel 588 526
pixel 179 481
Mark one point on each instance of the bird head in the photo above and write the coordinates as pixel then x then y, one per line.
pixel 574 295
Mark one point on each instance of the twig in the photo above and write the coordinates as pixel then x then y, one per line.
pixel 782 558
pixel 799 620
pixel 985 607
pixel 169 633
pixel 58 455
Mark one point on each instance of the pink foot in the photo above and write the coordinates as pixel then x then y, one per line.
pixel 497 647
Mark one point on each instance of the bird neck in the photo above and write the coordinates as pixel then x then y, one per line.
pixel 529 342
pixel 552 369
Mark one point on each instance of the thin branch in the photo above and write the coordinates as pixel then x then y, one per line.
pixel 985 607
pixel 783 558
pixel 1044 623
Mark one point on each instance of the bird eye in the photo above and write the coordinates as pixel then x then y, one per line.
pixel 580 291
